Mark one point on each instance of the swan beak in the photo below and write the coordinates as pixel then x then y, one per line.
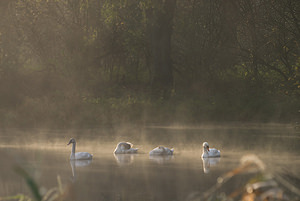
pixel 207 148
pixel 69 143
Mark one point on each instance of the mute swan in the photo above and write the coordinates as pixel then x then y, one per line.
pixel 125 148
pixel 78 155
pixel 209 153
pixel 161 151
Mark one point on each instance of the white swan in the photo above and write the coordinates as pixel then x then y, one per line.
pixel 209 153
pixel 161 151
pixel 125 148
pixel 78 155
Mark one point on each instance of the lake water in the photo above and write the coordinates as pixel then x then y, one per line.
pixel 44 155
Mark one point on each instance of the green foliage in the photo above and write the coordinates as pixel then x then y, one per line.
pixel 30 182
pixel 55 193
pixel 76 63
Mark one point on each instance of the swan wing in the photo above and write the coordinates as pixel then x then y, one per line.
pixel 214 152
pixel 156 151
pixel 131 150
pixel 83 156
pixel 161 151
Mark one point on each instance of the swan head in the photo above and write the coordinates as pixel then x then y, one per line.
pixel 205 146
pixel 162 148
pixel 72 141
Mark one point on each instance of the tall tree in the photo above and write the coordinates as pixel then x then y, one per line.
pixel 269 41
pixel 159 25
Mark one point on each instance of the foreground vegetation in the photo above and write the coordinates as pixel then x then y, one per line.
pixel 66 63
pixel 249 181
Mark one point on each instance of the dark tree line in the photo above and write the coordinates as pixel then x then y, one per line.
pixel 78 61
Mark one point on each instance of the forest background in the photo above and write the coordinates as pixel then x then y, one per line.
pixel 90 63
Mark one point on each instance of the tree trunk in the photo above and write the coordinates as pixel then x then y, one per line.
pixel 160 28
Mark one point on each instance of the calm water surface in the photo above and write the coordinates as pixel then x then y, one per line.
pixel 45 156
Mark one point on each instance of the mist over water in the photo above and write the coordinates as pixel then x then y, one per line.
pixel 103 72
pixel 45 155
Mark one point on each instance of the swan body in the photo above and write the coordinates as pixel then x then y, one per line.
pixel 78 155
pixel 209 153
pixel 161 151
pixel 125 148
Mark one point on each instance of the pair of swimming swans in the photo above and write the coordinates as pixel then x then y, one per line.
pixel 126 148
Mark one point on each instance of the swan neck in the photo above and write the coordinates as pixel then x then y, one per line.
pixel 73 148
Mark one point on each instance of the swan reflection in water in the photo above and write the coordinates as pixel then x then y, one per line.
pixel 78 163
pixel 208 163
pixel 161 159
pixel 124 159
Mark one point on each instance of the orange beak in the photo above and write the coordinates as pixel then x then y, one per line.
pixel 207 148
